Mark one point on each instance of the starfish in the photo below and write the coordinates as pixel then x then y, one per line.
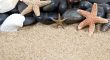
pixel 59 22
pixel 91 19
pixel 34 5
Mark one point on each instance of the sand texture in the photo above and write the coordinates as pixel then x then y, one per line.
pixel 43 42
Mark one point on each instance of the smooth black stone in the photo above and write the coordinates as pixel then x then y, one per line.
pixel 85 5
pixel 3 17
pixel 29 21
pixel 63 6
pixel 100 13
pixel 52 6
pixel 106 7
pixel 15 10
pixel 108 3
pixel 74 1
pixel 45 18
pixel 56 6
pixel 72 16
pixel 21 6
pixel 99 1
pixel 105 27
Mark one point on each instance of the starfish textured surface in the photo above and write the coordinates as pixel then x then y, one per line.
pixel 34 5
pixel 59 22
pixel 91 19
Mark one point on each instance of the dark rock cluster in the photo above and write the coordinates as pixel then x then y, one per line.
pixel 67 9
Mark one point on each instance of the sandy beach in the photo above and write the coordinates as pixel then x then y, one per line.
pixel 43 42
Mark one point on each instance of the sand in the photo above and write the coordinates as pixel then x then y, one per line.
pixel 43 42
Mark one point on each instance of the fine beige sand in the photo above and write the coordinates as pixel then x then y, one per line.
pixel 43 42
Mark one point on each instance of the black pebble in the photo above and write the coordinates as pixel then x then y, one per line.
pixel 52 6
pixel 29 21
pixel 99 1
pixel 72 16
pixel 21 6
pixel 45 18
pixel 62 6
pixel 3 17
pixel 105 27
pixel 106 7
pixel 85 5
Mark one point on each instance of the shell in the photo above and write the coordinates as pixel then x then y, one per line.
pixel 7 5
pixel 12 23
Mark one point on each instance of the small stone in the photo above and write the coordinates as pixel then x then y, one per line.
pixel 3 17
pixel 105 6
pixel 52 6
pixel 99 1
pixel 72 16
pixel 106 27
pixel 21 6
pixel 29 21
pixel 45 18
pixel 85 5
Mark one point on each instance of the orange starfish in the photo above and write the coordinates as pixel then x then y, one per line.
pixel 34 5
pixel 59 22
pixel 91 19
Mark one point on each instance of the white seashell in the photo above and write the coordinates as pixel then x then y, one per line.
pixel 12 23
pixel 7 5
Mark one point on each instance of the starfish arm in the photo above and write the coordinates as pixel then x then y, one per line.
pixel 59 24
pixel 84 13
pixel 82 24
pixel 43 3
pixel 27 10
pixel 59 16
pixel 63 20
pixel 62 25
pixel 91 29
pixel 53 19
pixel 94 9
pixel 56 26
pixel 101 20
pixel 36 10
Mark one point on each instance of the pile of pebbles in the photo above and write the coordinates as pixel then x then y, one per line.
pixel 67 9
